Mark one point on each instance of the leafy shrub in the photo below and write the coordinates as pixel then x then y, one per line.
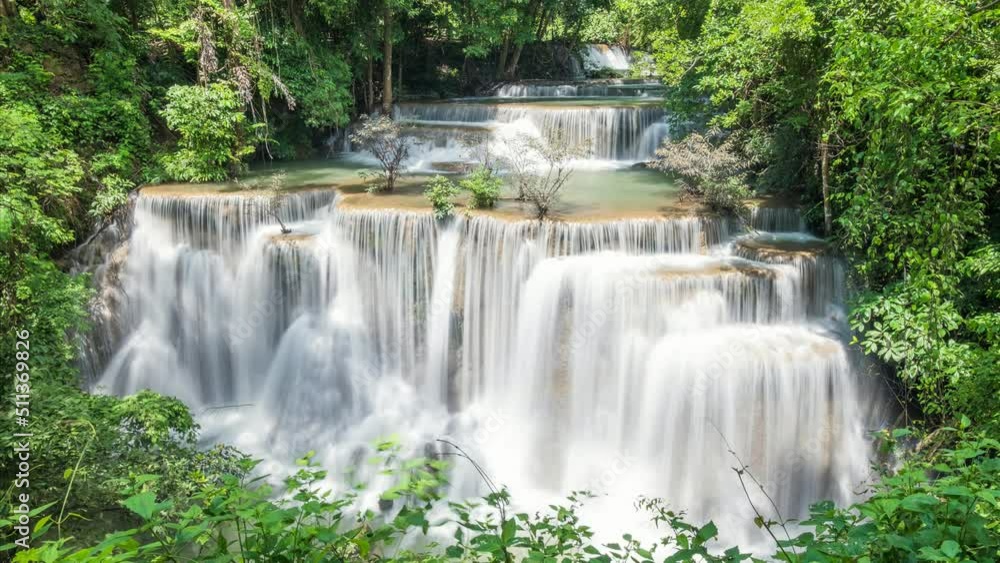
pixel 41 178
pixel 110 197
pixel 484 186
pixel 940 505
pixel 937 507
pixel 439 192
pixel 709 169
pixel 209 122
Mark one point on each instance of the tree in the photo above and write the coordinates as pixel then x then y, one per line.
pixel 274 198
pixel 384 138
pixel 541 167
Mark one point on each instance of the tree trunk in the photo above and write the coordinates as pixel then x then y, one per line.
pixel 502 61
pixel 824 151
pixel 399 72
pixel 296 13
pixel 530 24
pixel 542 24
pixel 512 67
pixel 386 59
pixel 370 86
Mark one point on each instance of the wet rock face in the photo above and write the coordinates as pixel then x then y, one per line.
pixel 103 257
pixel 821 273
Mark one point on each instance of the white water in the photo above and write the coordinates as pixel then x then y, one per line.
pixel 618 357
pixel 609 356
pixel 609 133
pixel 614 57
pixel 595 88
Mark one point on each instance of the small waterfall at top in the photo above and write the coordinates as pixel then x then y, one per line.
pixel 613 57
pixel 625 356
pixel 619 121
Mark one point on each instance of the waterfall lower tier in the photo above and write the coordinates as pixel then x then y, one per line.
pixel 614 356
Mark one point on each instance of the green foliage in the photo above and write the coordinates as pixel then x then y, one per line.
pixel 209 122
pixel 484 186
pixel 904 110
pixel 603 26
pixel 320 85
pixel 440 191
pixel 752 67
pixel 912 104
pixel 903 95
pixel 110 197
pixel 40 176
pixel 942 507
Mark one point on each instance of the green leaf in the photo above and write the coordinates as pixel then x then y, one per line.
pixel 144 504
pixel 509 529
pixel 950 548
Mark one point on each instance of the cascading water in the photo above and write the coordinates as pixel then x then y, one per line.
pixel 587 88
pixel 625 133
pixel 617 121
pixel 598 57
pixel 614 356
pixel 624 356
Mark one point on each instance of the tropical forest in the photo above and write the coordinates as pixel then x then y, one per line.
pixel 543 281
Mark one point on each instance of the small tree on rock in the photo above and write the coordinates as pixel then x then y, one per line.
pixel 384 138
pixel 545 165
pixel 273 195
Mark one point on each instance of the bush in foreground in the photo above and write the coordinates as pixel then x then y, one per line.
pixel 937 507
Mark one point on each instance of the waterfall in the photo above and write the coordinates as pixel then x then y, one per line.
pixel 611 133
pixel 613 57
pixel 588 88
pixel 439 315
pixel 611 355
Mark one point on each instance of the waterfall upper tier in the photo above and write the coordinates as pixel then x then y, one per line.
pixel 611 129
pixel 598 88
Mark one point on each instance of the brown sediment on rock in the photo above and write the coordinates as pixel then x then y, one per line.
pixel 769 247
pixel 222 189
pixel 472 127
pixel 407 196
pixel 827 347
pixel 292 238
pixel 717 269
pixel 774 201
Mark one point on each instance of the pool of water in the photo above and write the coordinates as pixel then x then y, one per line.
pixel 589 193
